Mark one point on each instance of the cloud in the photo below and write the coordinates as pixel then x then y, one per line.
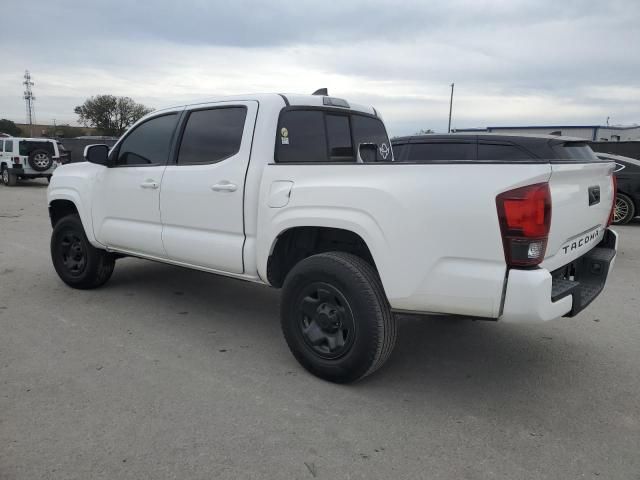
pixel 513 62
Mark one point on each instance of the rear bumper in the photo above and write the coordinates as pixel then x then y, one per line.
pixel 539 295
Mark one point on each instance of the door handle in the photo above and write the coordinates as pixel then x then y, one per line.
pixel 150 184
pixel 224 187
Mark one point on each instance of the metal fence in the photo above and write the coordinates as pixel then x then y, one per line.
pixel 626 149
pixel 75 146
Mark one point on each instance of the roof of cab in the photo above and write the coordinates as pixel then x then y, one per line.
pixel 282 99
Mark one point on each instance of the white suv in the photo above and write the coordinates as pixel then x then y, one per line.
pixel 27 158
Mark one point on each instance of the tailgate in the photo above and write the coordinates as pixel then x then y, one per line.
pixel 581 198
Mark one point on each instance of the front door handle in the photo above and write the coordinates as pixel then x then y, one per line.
pixel 149 184
pixel 224 187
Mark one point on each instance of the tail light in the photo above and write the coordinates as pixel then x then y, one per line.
pixel 614 182
pixel 16 159
pixel 525 218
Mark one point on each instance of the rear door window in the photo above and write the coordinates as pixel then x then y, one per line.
pixel 442 151
pixel 501 152
pixel 212 135
pixel 8 145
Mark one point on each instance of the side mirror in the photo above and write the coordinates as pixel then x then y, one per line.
pixel 98 154
pixel 367 152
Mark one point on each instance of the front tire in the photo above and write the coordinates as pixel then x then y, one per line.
pixel 78 263
pixel 335 317
pixel 624 210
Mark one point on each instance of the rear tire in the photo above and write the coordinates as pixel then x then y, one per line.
pixel 78 263
pixel 624 211
pixel 335 317
pixel 11 179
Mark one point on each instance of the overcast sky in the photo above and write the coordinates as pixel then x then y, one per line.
pixel 514 62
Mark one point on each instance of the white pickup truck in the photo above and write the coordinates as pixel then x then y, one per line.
pixel 301 192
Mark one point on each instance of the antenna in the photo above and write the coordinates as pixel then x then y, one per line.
pixel 29 99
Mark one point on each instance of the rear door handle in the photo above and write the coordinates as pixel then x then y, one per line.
pixel 150 184
pixel 224 186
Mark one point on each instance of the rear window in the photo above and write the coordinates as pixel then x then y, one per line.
pixel 399 151
pixel 446 151
pixel 502 152
pixel 339 138
pixel 8 145
pixel 315 136
pixel 371 130
pixel 574 151
pixel 26 147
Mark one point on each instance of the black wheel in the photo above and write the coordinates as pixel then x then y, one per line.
pixel 40 160
pixel 336 318
pixel 9 179
pixel 3 175
pixel 78 263
pixel 624 210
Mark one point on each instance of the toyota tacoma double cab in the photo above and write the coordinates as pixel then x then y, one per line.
pixel 27 158
pixel 302 193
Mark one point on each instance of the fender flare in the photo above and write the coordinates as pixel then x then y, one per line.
pixel 353 220
pixel 73 196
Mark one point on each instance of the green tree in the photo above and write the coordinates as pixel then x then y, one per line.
pixel 110 114
pixel 10 128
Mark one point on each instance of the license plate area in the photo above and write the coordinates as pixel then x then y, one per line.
pixel 585 277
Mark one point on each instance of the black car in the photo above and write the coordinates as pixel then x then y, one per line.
pixel 628 197
pixel 490 148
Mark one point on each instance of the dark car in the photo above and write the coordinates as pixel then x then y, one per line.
pixel 628 197
pixel 490 148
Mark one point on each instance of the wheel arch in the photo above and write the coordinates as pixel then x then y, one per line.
pixel 64 202
pixel 293 244
pixel 635 199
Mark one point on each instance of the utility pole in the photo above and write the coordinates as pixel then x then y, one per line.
pixel 450 108
pixel 29 99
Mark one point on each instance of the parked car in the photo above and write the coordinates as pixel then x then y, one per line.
pixel 301 192
pixel 25 158
pixel 628 195
pixel 491 148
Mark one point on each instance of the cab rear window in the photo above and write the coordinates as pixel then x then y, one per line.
pixel 318 136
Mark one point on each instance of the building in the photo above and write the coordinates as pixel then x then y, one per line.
pixel 595 133
pixel 42 130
